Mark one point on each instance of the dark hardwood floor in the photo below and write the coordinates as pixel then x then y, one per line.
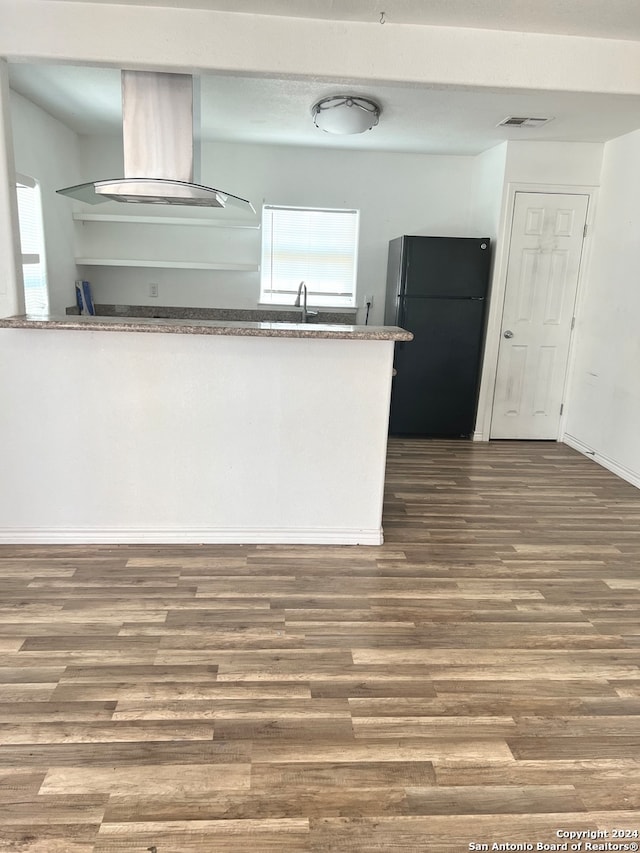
pixel 474 681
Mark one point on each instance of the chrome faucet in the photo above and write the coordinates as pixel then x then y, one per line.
pixel 302 295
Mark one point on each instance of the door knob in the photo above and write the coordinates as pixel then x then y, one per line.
pixel 508 333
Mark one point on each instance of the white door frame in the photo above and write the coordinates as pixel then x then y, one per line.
pixel 498 292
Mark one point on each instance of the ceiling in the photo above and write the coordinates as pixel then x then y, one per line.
pixel 618 19
pixel 415 118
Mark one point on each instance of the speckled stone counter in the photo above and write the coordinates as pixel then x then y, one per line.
pixel 209 327
pixel 249 315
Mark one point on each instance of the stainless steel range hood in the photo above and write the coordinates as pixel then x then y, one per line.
pixel 159 149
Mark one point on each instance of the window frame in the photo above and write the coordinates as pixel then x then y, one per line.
pixel 273 296
pixel 32 259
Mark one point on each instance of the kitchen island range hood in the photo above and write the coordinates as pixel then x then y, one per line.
pixel 158 142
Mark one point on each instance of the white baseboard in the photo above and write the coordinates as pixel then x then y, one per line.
pixel 478 435
pixel 621 471
pixel 190 536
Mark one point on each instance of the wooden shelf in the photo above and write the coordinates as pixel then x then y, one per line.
pixel 157 264
pixel 165 220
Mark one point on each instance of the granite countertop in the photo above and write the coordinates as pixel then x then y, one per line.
pixel 209 327
pixel 260 314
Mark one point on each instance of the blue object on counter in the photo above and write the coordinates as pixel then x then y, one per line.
pixel 79 300
pixel 87 299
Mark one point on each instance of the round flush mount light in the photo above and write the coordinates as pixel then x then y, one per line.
pixel 345 114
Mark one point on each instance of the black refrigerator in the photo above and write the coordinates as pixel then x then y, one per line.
pixel 437 289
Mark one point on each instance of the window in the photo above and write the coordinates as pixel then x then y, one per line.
pixel 319 247
pixel 34 271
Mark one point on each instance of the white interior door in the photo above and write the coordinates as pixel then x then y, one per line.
pixel 547 232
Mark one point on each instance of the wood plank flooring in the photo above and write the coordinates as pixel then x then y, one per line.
pixel 474 681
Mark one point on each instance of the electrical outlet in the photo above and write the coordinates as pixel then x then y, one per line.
pixel 368 300
pixel 153 290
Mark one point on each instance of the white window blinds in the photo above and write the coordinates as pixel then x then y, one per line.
pixel 32 242
pixel 317 246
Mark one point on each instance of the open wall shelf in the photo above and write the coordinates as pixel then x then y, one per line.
pixel 165 220
pixel 158 264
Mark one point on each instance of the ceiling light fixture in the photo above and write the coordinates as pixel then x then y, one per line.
pixel 345 114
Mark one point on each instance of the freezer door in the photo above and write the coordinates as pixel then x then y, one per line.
pixel 450 267
pixel 435 390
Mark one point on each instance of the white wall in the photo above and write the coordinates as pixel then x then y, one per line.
pixel 486 214
pixel 604 395
pixel 561 163
pixel 395 193
pixel 47 150
pixel 489 172
pixel 191 438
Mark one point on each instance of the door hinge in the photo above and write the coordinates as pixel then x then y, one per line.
pixel 584 230
pixel 573 323
pixel 561 408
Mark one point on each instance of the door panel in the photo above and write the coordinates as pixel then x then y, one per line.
pixel 542 276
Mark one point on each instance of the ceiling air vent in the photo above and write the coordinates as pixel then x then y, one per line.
pixel 522 121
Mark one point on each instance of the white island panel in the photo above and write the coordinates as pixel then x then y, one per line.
pixel 130 437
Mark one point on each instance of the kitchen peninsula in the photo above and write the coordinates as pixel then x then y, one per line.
pixel 121 430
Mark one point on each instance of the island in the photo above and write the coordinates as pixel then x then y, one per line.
pixel 118 430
